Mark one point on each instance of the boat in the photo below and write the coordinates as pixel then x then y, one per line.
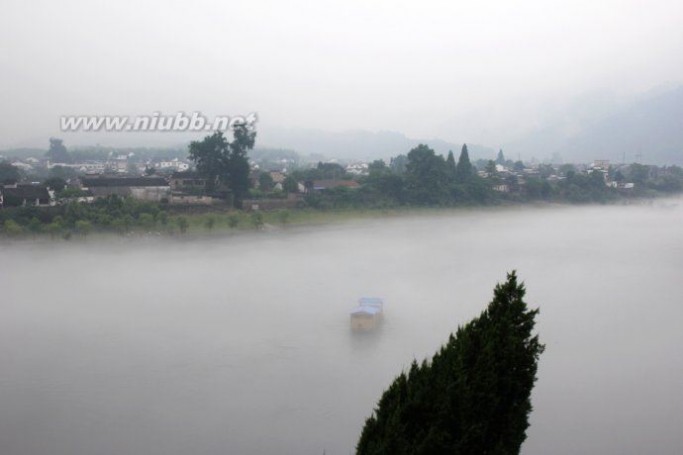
pixel 368 314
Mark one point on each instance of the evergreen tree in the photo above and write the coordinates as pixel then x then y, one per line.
pixel 463 170
pixel 450 164
pixel 500 159
pixel 473 397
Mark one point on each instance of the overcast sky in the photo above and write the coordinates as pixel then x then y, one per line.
pixel 477 71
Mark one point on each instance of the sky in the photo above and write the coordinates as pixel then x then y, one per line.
pixel 483 72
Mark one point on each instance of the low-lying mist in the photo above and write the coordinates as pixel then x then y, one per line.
pixel 241 345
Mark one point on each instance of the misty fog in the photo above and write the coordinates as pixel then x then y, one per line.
pixel 488 72
pixel 241 344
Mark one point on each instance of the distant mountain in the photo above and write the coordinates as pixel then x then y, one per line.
pixel 649 130
pixel 358 144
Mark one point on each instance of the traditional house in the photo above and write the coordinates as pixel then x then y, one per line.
pixel 187 181
pixel 19 195
pixel 153 189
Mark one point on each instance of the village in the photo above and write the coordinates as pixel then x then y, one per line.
pixel 274 183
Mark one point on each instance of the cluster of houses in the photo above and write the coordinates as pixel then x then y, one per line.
pixel 117 164
pixel 156 180
pixel 172 181
pixel 509 179
pixel 178 188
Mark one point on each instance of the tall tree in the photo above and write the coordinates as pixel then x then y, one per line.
pixel 57 152
pixel 474 395
pixel 450 165
pixel 426 177
pixel 500 159
pixel 464 167
pixel 244 138
pixel 225 163
pixel 209 156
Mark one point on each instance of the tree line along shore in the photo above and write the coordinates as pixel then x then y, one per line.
pixel 228 192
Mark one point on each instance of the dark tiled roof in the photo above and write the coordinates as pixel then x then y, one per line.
pixel 123 181
pixel 104 191
pixel 185 175
pixel 30 192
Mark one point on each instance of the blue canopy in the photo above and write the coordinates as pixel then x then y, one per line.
pixel 371 301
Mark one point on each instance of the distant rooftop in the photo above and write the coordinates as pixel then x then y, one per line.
pixel 123 181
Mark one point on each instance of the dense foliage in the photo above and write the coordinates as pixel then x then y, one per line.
pixel 8 173
pixel 420 178
pixel 424 179
pixel 225 163
pixel 58 152
pixel 473 397
pixel 113 214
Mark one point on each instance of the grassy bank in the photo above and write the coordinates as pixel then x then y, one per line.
pixel 151 220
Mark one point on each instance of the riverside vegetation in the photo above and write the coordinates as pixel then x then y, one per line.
pixel 420 179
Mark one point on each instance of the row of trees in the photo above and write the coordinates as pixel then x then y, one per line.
pixel 423 178
pixel 473 397
pixel 113 213
pixel 420 178
pixel 432 180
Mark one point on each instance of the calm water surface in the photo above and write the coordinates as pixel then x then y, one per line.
pixel 241 345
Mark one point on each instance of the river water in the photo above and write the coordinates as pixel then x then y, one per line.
pixel 241 344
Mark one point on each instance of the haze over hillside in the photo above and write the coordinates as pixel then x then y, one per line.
pixel 598 125
pixel 648 129
pixel 359 144
pixel 484 73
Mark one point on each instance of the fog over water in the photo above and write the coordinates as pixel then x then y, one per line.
pixel 241 345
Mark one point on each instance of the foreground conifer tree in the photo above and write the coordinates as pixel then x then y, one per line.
pixel 473 397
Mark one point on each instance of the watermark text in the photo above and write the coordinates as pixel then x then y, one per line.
pixel 179 122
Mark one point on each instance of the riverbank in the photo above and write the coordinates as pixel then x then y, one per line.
pixel 233 222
